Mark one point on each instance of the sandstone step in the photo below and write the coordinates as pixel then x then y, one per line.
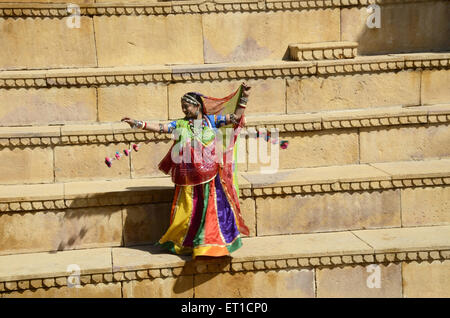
pixel 79 215
pixel 406 262
pixel 323 51
pixel 90 95
pixel 211 31
pixel 64 153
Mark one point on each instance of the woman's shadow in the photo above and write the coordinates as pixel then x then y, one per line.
pixel 144 214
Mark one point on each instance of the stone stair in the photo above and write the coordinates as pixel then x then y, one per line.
pixel 406 262
pixel 76 152
pixel 79 215
pixel 361 189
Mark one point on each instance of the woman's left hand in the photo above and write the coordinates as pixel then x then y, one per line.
pixel 246 89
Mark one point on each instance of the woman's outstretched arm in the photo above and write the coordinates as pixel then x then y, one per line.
pixel 156 127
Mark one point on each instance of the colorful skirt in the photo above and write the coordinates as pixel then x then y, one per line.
pixel 203 220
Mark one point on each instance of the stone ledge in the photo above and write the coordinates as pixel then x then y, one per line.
pixel 100 77
pixel 323 51
pixel 99 133
pixel 348 248
pixel 116 8
pixel 358 177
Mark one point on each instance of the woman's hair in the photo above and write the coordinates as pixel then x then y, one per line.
pixel 198 98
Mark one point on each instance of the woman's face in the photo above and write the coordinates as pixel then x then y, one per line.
pixel 190 111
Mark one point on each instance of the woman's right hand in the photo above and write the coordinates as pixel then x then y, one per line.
pixel 129 121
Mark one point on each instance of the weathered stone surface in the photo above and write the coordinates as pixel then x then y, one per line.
pixel 145 223
pixel 36 265
pixel 87 162
pixel 145 163
pixel 145 257
pixel 142 102
pixel 300 245
pixel 75 47
pixel 53 1
pixel 35 192
pixel 434 88
pixel 28 165
pixel 426 279
pixel 425 206
pixel 249 214
pixel 360 281
pixel 323 51
pixel 223 44
pixel 310 149
pixel 44 106
pixel 407 239
pixel 291 284
pixel 353 91
pixel 173 287
pixel 111 290
pixel 56 231
pixel 404 143
pixel 92 189
pixel 266 96
pixel 415 169
pixel 397 22
pixel 317 176
pixel 327 212
pixel 145 39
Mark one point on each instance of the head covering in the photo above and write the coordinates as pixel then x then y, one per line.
pixel 213 105
pixel 188 98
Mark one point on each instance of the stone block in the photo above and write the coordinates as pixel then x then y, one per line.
pixel 326 212
pixel 369 281
pixel 27 165
pixel 248 214
pixel 143 102
pixel 145 223
pixel 308 149
pixel 434 88
pixel 111 290
pixel 403 28
pixel 87 162
pixel 37 192
pixel 57 230
pixel 415 169
pixel 407 239
pixel 55 265
pixel 261 284
pixel 414 142
pixel 352 91
pixel 426 280
pixel 155 39
pixel 301 246
pixel 74 47
pixel 169 287
pixel 147 257
pixel 266 96
pixel 233 37
pixel 425 206
pixel 317 176
pixel 46 106
pixel 145 162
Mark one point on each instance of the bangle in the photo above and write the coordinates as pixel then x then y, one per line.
pixel 233 119
pixel 161 128
pixel 145 125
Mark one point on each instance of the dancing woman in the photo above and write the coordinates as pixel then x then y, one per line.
pixel 205 217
